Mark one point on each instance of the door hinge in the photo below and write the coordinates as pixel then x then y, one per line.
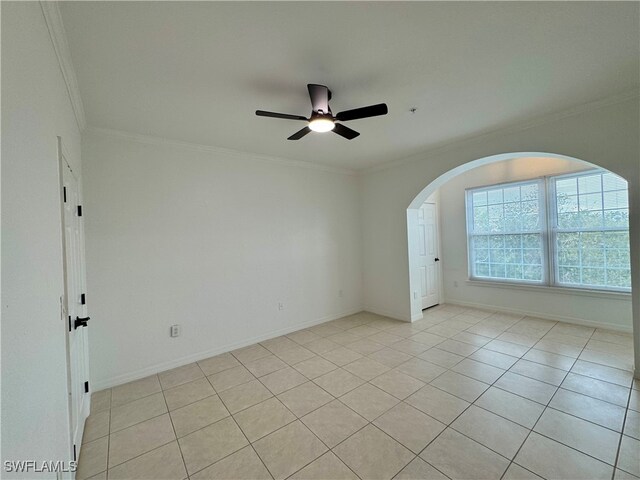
pixel 83 298
pixel 64 194
pixel 69 322
pixel 86 387
pixel 79 210
pixel 75 457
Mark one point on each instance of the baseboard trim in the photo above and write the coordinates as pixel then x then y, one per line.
pixel 555 318
pixel 178 362
pixel 385 313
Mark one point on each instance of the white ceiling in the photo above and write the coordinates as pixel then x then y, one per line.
pixel 197 71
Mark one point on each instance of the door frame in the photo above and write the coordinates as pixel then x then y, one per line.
pixel 63 155
pixel 434 200
pixel 415 303
pixel 436 194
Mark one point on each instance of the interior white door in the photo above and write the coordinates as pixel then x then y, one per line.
pixel 428 255
pixel 74 303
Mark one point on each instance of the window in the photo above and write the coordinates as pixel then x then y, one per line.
pixel 591 230
pixel 567 230
pixel 506 232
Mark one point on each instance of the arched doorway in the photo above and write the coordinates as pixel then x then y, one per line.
pixel 413 211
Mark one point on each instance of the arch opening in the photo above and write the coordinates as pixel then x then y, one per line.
pixel 412 221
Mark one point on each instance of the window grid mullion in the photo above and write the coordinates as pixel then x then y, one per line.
pixel 549 232
pixel 602 247
pixel 580 256
pixel 543 218
pixel 551 225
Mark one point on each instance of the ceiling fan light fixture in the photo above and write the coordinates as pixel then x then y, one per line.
pixel 322 120
pixel 321 124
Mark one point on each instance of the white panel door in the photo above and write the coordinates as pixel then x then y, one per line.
pixel 74 304
pixel 428 255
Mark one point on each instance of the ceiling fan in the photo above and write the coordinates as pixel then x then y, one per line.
pixel 322 120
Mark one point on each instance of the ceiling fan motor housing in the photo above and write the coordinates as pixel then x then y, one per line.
pixel 322 120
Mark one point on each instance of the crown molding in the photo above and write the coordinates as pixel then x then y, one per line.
pixel 443 147
pixel 53 19
pixel 56 29
pixel 223 152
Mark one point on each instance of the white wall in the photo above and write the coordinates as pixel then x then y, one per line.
pixel 35 109
pixel 212 240
pixel 607 136
pixel 613 311
pixel 209 240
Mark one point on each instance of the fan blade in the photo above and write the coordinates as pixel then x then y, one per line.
pixel 286 116
pixel 345 132
pixel 299 134
pixel 319 95
pixel 363 112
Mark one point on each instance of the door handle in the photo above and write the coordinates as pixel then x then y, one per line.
pixel 81 322
pixel 436 259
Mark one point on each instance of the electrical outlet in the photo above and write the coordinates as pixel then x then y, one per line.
pixel 280 306
pixel 455 283
pixel 175 330
pixel 340 293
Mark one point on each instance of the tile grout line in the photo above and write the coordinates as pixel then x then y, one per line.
pixel 309 429
pixel 164 444
pixel 250 444
pixel 557 386
pixel 624 421
pixel 230 416
pixel 413 355
pixel 109 439
pixel 136 399
pixel 296 418
pixel 583 419
pixel 141 454
pixel 184 463
pixel 539 417
pixel 272 396
pixel 348 407
pixel 393 439
pixel 496 379
pixel 459 415
pixel 541 413
pixel 329 449
pixel 279 428
pixel 416 455
pixel 493 385
pixel 153 449
pixel 225 456
pixel 469 406
pixel 591 396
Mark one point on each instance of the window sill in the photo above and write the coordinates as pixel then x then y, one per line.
pixel 548 289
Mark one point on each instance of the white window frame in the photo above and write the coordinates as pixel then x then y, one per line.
pixel 554 230
pixel 542 208
pixel 549 231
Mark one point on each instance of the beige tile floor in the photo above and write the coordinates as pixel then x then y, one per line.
pixel 462 393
